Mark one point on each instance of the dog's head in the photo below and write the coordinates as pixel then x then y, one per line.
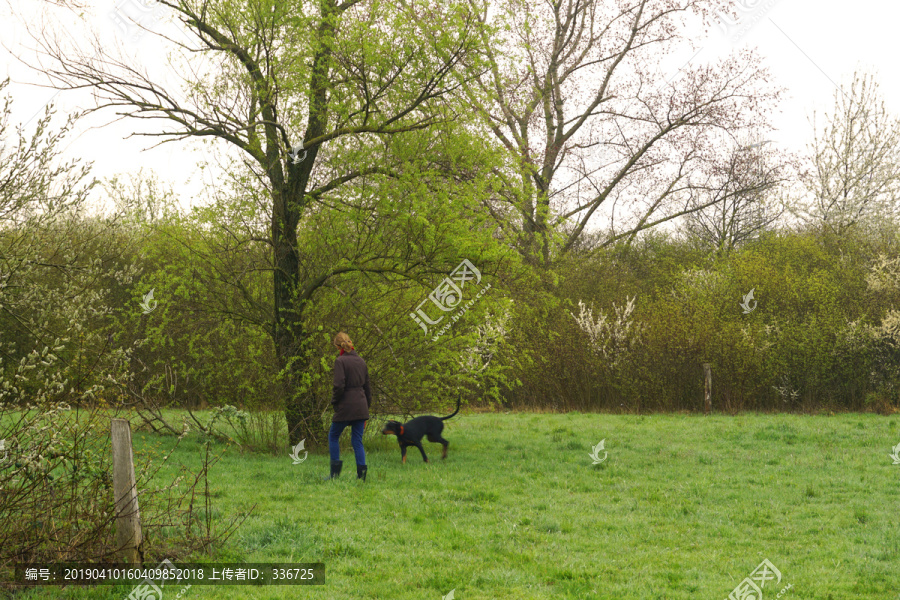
pixel 392 428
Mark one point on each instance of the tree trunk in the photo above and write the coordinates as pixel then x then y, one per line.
pixel 288 202
pixel 707 387
pixel 289 334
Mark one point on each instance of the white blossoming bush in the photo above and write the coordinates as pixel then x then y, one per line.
pixel 696 284
pixel 612 338
pixel 884 278
pixel 884 275
pixel 874 349
pixel 488 337
pixel 61 374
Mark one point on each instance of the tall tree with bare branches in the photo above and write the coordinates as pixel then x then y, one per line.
pixel 749 202
pixel 855 173
pixel 311 93
pixel 592 126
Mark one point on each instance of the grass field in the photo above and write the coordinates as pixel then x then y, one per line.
pixel 684 507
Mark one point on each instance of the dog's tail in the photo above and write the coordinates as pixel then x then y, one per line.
pixel 458 402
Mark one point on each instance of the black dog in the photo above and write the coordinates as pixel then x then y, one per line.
pixel 410 434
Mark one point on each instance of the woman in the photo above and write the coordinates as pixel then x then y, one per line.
pixel 351 400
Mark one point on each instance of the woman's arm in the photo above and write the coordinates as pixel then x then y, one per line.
pixel 339 382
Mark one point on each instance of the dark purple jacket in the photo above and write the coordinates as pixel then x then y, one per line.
pixel 352 392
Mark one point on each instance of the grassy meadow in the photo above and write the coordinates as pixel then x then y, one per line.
pixel 683 507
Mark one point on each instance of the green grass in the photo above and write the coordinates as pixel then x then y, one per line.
pixel 684 507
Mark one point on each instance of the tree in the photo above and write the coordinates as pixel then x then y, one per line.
pixel 141 196
pixel 745 205
pixel 41 244
pixel 589 124
pixel 311 94
pixel 56 359
pixel 854 179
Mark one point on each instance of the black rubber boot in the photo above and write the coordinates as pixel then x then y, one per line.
pixel 361 472
pixel 336 466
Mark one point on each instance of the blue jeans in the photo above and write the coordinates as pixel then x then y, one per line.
pixel 356 435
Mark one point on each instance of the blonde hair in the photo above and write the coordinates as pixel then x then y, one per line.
pixel 343 341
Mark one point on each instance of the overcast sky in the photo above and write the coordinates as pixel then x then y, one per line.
pixel 810 46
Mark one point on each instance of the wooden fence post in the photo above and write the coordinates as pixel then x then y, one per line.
pixel 128 517
pixel 707 386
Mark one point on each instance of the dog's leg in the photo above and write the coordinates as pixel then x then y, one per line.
pixel 403 452
pixel 438 439
pixel 422 450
